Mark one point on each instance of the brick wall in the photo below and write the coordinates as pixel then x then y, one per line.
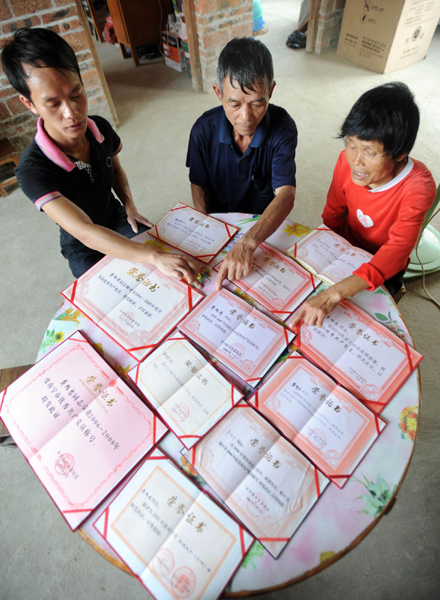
pixel 218 22
pixel 329 24
pixel 16 122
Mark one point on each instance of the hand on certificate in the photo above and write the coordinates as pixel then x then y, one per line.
pixel 177 265
pixel 133 217
pixel 237 264
pixel 313 311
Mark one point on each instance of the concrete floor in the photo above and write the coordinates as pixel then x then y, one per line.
pixel 39 557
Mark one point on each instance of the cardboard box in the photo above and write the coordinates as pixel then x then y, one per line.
pixel 387 35
pixel 174 53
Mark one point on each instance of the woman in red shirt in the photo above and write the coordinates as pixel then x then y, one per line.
pixel 378 197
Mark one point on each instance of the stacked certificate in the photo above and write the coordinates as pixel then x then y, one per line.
pixel 360 353
pixel 328 255
pixel 134 304
pixel 79 426
pixel 195 233
pixel 329 425
pixel 176 540
pixel 276 281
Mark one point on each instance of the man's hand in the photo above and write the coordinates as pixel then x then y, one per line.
pixel 177 265
pixel 133 217
pixel 237 264
pixel 313 311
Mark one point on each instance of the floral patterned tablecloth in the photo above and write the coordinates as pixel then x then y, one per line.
pixel 341 517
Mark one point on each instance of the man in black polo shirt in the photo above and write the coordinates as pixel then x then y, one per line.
pixel 70 168
pixel 241 155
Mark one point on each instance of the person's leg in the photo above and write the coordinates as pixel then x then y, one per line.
pixel 80 262
pixel 394 284
pixel 123 227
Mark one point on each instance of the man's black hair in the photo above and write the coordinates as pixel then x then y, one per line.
pixel 38 48
pixel 245 61
pixel 385 114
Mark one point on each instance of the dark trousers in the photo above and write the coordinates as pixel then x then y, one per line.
pixel 394 284
pixel 82 260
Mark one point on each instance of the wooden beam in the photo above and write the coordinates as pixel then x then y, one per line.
pixel 98 65
pixel 193 45
pixel 312 29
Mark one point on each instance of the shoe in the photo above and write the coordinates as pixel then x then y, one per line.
pixel 296 40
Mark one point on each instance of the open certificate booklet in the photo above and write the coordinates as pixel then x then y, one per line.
pixel 360 353
pixel 171 535
pixel 79 426
pixel 185 388
pixel 266 482
pixel 276 281
pixel 239 336
pixel 135 304
pixel 193 232
pixel 328 255
pixel 329 425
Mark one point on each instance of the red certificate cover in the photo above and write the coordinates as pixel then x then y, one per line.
pixel 79 426
pixel 135 305
pixel 360 353
pixel 187 391
pixel 276 281
pixel 329 425
pixel 173 537
pixel 236 334
pixel 193 232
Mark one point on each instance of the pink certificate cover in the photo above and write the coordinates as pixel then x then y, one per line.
pixel 329 425
pixel 79 426
pixel 187 391
pixel 163 526
pixel 135 305
pixel 266 482
pixel 236 334
pixel 276 281
pixel 360 353
pixel 193 232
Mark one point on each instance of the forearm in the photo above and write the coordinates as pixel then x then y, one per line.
pixel 122 188
pixel 200 198
pixel 271 218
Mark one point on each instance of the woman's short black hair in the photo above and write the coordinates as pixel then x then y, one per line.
pixel 246 61
pixel 385 114
pixel 39 48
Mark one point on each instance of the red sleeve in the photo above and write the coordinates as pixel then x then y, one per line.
pixel 335 208
pixel 393 256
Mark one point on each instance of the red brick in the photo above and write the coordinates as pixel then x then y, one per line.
pixel 225 4
pixel 14 25
pixel 96 101
pixel 57 15
pixel 16 106
pixel 70 25
pixel 4 112
pixel 77 40
pixel 5 13
pixel 90 78
pixel 241 11
pixel 7 91
pixel 204 7
pixel 243 30
pixel 83 56
pixel 214 40
pixel 28 7
pixel 55 27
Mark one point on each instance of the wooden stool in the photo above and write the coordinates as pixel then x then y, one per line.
pixel 7 155
pixel 7 376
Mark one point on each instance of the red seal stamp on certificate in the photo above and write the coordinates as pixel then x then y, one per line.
pixel 163 562
pixel 64 464
pixel 126 318
pixel 256 505
pixel 180 412
pixel 183 582
pixel 317 438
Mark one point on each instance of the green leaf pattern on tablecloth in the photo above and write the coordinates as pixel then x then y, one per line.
pixel 250 560
pixel 391 324
pixel 70 315
pixel 379 494
pixel 52 337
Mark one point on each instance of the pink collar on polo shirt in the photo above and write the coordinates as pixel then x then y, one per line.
pixel 52 151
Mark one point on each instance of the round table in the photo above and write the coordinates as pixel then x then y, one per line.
pixel 341 518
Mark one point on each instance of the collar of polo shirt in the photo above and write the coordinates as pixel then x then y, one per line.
pixel 225 131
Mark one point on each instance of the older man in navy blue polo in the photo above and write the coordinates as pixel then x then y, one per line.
pixel 241 155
